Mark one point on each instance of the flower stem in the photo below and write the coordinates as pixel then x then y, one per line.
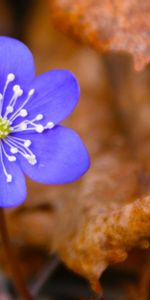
pixel 12 260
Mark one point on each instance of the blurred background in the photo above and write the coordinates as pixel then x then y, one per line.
pixel 113 119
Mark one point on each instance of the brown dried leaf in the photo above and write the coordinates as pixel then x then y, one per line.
pixel 96 221
pixel 108 25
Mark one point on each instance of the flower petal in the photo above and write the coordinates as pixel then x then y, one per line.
pixel 12 193
pixel 56 94
pixel 15 58
pixel 61 156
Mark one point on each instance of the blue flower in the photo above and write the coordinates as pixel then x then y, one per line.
pixel 31 140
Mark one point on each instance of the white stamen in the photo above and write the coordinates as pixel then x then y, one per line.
pixel 27 143
pixel 8 176
pixel 39 117
pixel 17 113
pixel 22 126
pixel 9 109
pixel 30 125
pixel 17 90
pixel 20 146
pixel 31 92
pixel 21 142
pixel 9 157
pixel 50 125
pixel 10 77
pixel 39 128
pixel 17 93
pixel 23 113
pixel 31 159
pixel 13 150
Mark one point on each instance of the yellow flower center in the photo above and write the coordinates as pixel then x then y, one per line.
pixel 4 128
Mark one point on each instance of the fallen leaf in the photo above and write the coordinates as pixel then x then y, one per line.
pixel 96 221
pixel 108 25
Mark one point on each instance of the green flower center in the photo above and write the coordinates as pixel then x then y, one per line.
pixel 4 128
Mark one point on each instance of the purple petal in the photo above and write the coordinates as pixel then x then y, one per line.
pixel 12 193
pixel 61 156
pixel 56 95
pixel 15 58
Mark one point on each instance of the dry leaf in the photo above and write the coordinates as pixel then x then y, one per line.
pixel 108 25
pixel 96 221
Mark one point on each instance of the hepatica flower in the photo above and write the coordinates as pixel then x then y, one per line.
pixel 32 142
